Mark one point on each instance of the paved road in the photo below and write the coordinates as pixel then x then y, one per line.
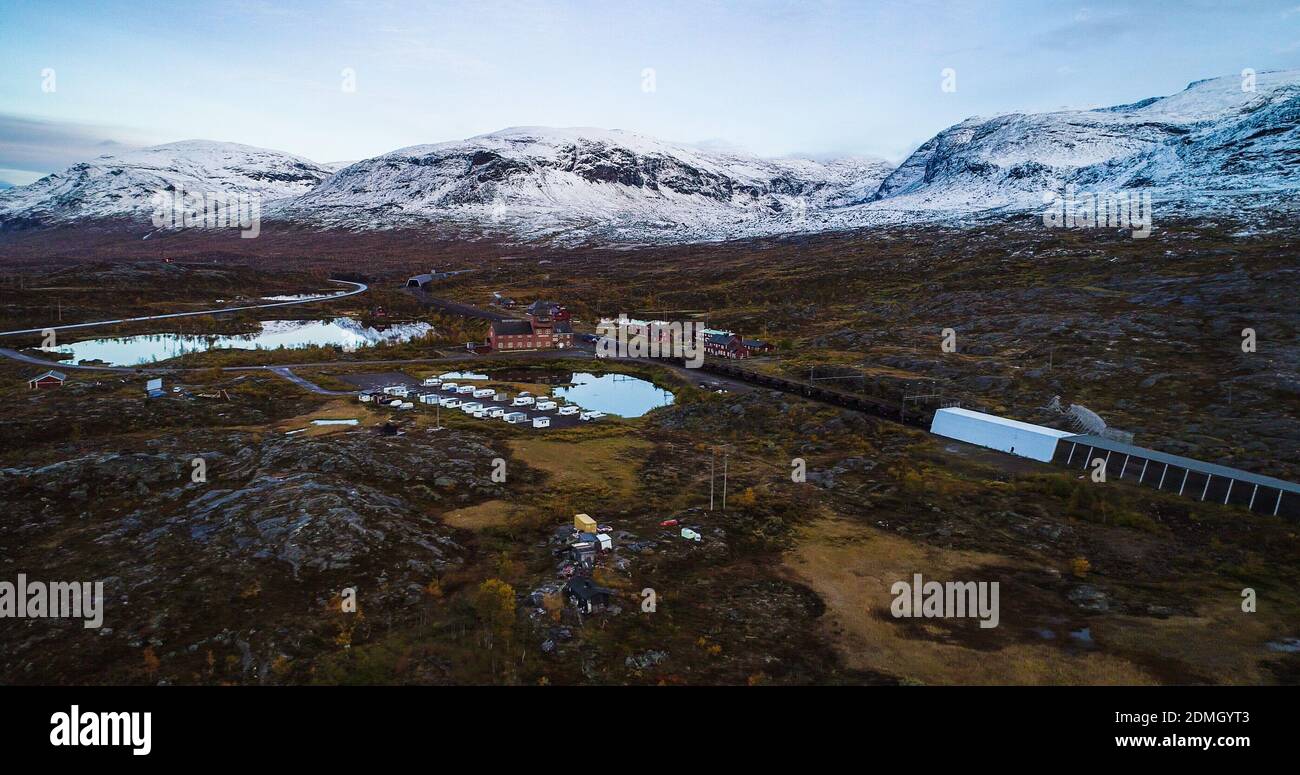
pixel 456 307
pixel 360 288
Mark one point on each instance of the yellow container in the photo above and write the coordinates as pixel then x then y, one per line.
pixel 584 523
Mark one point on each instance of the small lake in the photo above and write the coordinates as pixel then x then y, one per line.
pixel 614 394
pixel 290 334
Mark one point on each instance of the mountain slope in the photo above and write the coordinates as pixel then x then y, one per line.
pixel 541 181
pixel 1211 140
pixel 121 186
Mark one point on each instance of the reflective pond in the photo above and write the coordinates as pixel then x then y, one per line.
pixel 347 333
pixel 614 394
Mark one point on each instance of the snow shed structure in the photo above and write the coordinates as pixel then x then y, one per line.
pixel 1036 442
pixel 1189 478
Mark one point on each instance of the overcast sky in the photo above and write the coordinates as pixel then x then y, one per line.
pixel 818 77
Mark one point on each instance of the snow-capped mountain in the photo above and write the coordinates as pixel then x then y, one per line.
pixel 1215 139
pixel 544 181
pixel 122 186
pixel 1213 146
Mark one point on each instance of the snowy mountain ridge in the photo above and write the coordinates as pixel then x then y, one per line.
pixel 1219 145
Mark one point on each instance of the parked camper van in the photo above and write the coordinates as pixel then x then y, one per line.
pixel 522 400
pixel 514 418
pixel 541 422
pixel 570 409
pixel 546 406
pixel 484 393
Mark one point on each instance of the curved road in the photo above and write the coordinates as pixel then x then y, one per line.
pixel 360 288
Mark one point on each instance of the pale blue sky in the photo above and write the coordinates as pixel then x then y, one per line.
pixel 772 76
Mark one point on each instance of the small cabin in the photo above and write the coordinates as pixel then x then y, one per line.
pixel 50 379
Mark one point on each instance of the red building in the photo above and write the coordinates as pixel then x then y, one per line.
pixel 725 346
pixel 50 379
pixel 537 332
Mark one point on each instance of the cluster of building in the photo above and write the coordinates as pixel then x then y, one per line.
pixel 479 402
pixel 581 545
pixel 718 343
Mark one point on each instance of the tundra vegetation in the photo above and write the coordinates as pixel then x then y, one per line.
pixel 242 578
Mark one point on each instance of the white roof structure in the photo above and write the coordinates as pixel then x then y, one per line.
pixel 1036 442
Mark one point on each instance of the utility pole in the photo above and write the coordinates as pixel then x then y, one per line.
pixel 724 478
pixel 713 457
